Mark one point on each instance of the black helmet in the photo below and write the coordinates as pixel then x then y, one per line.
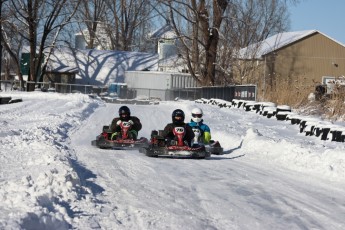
pixel 124 113
pixel 177 117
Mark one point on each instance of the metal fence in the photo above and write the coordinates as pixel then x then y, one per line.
pixel 227 93
pixel 163 94
pixel 245 92
pixel 52 87
pixel 7 85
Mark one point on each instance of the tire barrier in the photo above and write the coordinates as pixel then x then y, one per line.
pixel 310 126
pixel 9 100
pixel 5 100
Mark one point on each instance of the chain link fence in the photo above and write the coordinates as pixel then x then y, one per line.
pixel 52 87
pixel 244 92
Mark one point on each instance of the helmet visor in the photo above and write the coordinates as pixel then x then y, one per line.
pixel 197 115
pixel 178 118
pixel 124 114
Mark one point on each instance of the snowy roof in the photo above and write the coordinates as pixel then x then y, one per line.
pixel 276 42
pixel 165 32
pixel 63 69
pixel 102 67
pixel 174 61
pixel 62 61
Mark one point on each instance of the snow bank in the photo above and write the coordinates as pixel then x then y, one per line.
pixel 38 182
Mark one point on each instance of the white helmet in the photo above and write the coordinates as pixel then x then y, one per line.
pixel 197 115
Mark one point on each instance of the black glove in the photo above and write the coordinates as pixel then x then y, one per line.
pixel 117 128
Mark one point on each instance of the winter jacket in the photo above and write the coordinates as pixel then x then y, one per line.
pixel 205 130
pixel 116 128
pixel 168 132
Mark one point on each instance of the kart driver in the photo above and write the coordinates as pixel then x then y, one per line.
pixel 125 116
pixel 197 123
pixel 178 121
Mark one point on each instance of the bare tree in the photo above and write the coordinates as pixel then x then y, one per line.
pixel 38 23
pixel 246 24
pixel 197 24
pixel 1 2
pixel 211 32
pixel 92 14
pixel 10 38
pixel 115 24
pixel 128 22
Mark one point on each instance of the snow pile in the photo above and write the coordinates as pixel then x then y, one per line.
pixel 306 157
pixel 38 182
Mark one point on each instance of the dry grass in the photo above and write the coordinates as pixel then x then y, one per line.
pixel 336 109
pixel 328 109
pixel 293 94
pixel 296 95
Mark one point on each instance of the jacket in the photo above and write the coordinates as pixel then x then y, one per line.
pixel 115 128
pixel 205 130
pixel 168 132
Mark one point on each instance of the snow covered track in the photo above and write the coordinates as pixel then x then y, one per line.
pixel 272 177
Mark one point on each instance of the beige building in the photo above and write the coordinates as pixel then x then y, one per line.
pixel 288 66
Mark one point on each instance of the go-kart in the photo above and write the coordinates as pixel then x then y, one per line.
pixel 213 147
pixel 176 148
pixel 124 139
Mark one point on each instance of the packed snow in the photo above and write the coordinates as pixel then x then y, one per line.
pixel 271 176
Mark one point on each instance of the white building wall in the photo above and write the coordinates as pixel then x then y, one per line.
pixel 157 84
pixel 158 80
pixel 147 79
pixel 180 80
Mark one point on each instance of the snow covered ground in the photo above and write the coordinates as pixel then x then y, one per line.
pixel 271 177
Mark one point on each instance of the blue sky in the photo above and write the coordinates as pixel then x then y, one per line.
pixel 326 16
